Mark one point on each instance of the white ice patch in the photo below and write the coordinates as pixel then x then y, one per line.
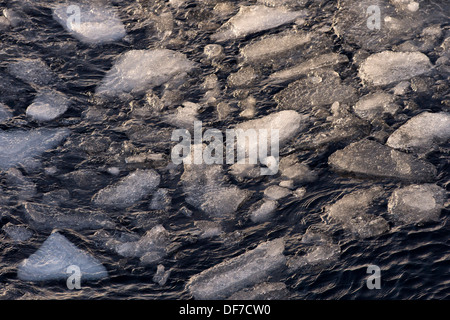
pixel 90 23
pixel 47 106
pixel 251 19
pixel 51 260
pixel 139 70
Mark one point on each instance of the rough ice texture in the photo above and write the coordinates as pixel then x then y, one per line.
pixel 232 275
pixel 372 159
pixel 263 291
pixel 321 88
pixel 51 260
pixel 151 248
pixel 273 46
pixel 129 190
pixel 422 132
pixel 17 233
pixel 251 19
pixel 5 113
pixel 97 24
pixel 49 217
pixel 48 105
pixel 33 71
pixel 16 146
pixel 317 256
pixel 139 70
pixel 206 189
pixel 353 212
pixel 375 105
pixel 322 61
pixel 389 67
pixel 23 188
pixel 417 203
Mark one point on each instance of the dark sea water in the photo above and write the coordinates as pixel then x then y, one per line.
pixel 414 259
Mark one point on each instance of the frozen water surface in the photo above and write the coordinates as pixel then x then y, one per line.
pixel 88 107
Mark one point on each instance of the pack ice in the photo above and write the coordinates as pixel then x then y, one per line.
pixel 16 146
pixel 51 260
pixel 232 275
pixel 251 19
pixel 139 70
pixel 372 159
pixel 422 132
pixel 90 23
pixel 389 67
pixel 129 190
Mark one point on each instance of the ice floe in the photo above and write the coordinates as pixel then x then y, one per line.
pixel 48 105
pixel 56 254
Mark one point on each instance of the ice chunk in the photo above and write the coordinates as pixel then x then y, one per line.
pixel 321 88
pixel 207 189
pixel 273 46
pixel 353 212
pixel 322 61
pixel 151 248
pixel 417 203
pixel 263 291
pixel 137 71
pixel 49 217
pixel 48 105
pixel 375 105
pixel 17 233
pixel 207 229
pixel 33 71
pixel 129 190
pixel 51 260
pixel 317 256
pixel 372 159
pixel 90 23
pixel 232 275
pixel 275 192
pixel 263 210
pixel 5 113
pixel 251 19
pixel 388 67
pixel 16 146
pixel 184 116
pixel 287 122
pixel 292 169
pixel 161 275
pixel 422 132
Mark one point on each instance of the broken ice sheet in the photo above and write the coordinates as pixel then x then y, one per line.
pixel 89 22
pixel 251 19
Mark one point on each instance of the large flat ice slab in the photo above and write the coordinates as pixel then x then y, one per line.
pixel 372 159
pixel 51 260
pixel 19 145
pixel 389 67
pixel 232 275
pixel 139 70
pixel 97 24
pixel 251 19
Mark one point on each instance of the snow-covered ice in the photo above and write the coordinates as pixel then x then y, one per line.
pixel 251 19
pixel 90 23
pixel 232 275
pixel 136 71
pixel 51 260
